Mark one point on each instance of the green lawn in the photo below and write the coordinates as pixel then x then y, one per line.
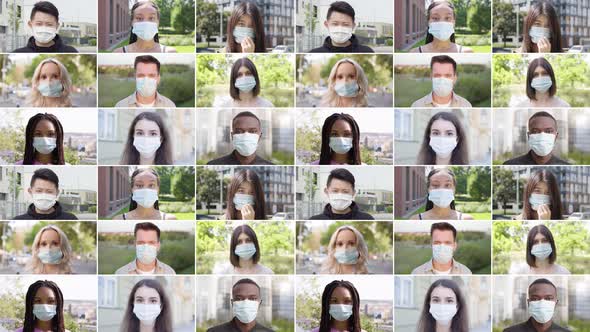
pixel 172 40
pixel 179 215
pixel 475 215
pixel 475 48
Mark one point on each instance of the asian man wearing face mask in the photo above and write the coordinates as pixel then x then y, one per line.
pixel 444 244
pixel 340 192
pixel 245 304
pixel 44 24
pixel 340 25
pixel 245 136
pixel 542 135
pixel 147 79
pixel 44 192
pixel 147 246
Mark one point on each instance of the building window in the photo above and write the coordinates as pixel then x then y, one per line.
pixel 403 124
pixel 404 292
pixel 107 291
pixel 107 123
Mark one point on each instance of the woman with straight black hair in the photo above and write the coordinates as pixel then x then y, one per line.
pixel 340 141
pixel 44 141
pixel 340 308
pixel 444 141
pixel 245 197
pixel 44 305
pixel 244 253
pixel 245 29
pixel 148 308
pixel 148 141
pixel 444 308
pixel 244 87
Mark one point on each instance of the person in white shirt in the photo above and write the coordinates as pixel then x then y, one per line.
pixel 541 254
pixel 244 253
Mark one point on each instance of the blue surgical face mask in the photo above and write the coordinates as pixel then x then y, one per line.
pixel 537 33
pixel 349 89
pixel 146 253
pixel 346 256
pixel 50 256
pixel 44 312
pixel 542 83
pixel 246 310
pixel 442 86
pixel 539 199
pixel 441 30
pixel 245 83
pixel 341 145
pixel 145 30
pixel 240 33
pixel 542 250
pixel 442 253
pixel 340 312
pixel 243 199
pixel 246 250
pixel 53 88
pixel 441 197
pixel 542 310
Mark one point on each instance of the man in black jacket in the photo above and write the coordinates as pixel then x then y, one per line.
pixel 340 191
pixel 44 23
pixel 45 191
pixel 340 24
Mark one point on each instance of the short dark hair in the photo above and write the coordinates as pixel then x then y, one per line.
pixel 443 226
pixel 341 174
pixel 235 92
pixel 146 226
pixel 45 174
pixel 245 114
pixel 443 59
pixel 539 62
pixel 235 259
pixel 146 59
pixel 542 114
pixel 45 7
pixel 542 281
pixel 245 281
pixel 340 7
pixel 530 259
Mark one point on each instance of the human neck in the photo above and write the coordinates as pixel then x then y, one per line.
pixel 145 45
pixel 345 211
pixel 48 44
pixel 340 325
pixel 442 100
pixel 542 97
pixel 347 268
pixel 44 325
pixel 143 327
pixel 443 160
pixel 145 213
pixel 245 160
pixel 346 102
pixel 145 267
pixel 246 263
pixel 541 327
pixel 543 265
pixel 335 44
pixel 245 326
pixel 540 160
pixel 443 327
pixel 51 210
pixel 145 100
pixel 441 212
pixel 441 45
pixel 442 267
pixel 51 269
pixel 147 160
pixel 246 97
pixel 50 101
pixel 341 158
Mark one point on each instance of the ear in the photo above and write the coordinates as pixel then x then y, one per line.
pixel 556 136
pixel 325 24
pixel 30 191
pixel 325 191
pixel 30 24
pixel 259 136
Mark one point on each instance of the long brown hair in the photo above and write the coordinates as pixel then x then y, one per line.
pixel 429 204
pixel 354 154
pixel 250 9
pixel 539 62
pixel 132 203
pixel 163 322
pixel 459 323
pixel 354 321
pixel 429 36
pixel 531 260
pixel 163 154
pixel 243 62
pixel 551 181
pixel 539 9
pixel 460 155
pixel 235 259
pixel 57 322
pixel 58 153
pixel 241 176
pixel 132 36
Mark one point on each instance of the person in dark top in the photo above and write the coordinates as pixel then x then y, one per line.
pixel 542 135
pixel 541 303
pixel 340 24
pixel 245 135
pixel 340 191
pixel 245 302
pixel 44 23
pixel 45 191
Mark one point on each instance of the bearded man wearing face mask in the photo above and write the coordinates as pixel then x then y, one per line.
pixel 340 192
pixel 147 78
pixel 542 135
pixel 45 191
pixel 44 23
pixel 541 304
pixel 245 135
pixel 340 24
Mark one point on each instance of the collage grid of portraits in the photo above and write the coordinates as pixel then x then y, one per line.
pixel 295 165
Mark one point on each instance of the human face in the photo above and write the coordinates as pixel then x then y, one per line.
pixel 145 13
pixel 542 292
pixel 147 295
pixel 246 188
pixel 49 72
pixel 49 239
pixel 443 70
pixel 541 188
pixel 147 70
pixel 45 295
pixel 443 237
pixel 243 238
pixel 542 124
pixel 45 128
pixel 341 295
pixel 245 21
pixel 542 22
pixel 145 127
pixel 540 71
pixel 540 238
pixel 147 237
pixel 145 180
pixel 43 20
pixel 41 186
pixel 341 128
pixel 442 180
pixel 246 124
pixel 338 186
pixel 337 19
pixel 442 13
pixel 443 295
pixel 345 239
pixel 443 128
pixel 243 71
pixel 345 73
pixel 245 291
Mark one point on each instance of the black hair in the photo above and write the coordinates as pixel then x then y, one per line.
pixel 459 323
pixel 245 281
pixel 542 281
pixel 532 260
pixel 57 322
pixel 340 7
pixel 47 175
pixel 132 36
pixel 235 259
pixel 354 321
pixel 539 62
pixel 45 7
pixel 243 62
pixel 57 153
pixel 542 114
pixel 341 174
pixel 443 59
pixel 146 226
pixel 245 114
pixel 429 203
pixel 443 226
pixel 354 154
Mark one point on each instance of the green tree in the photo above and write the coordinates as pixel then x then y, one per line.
pixel 571 237
pixel 504 20
pixel 183 183
pixel 181 19
pixel 208 19
pixel 165 174
pixel 479 183
pixel 165 9
pixel 208 188
pixel 504 186
pixel 478 16
pixel 212 236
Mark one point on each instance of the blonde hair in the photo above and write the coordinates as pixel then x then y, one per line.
pixel 332 266
pixel 331 98
pixel 36 266
pixel 36 99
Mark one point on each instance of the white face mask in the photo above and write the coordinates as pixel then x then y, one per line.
pixel 243 199
pixel 443 313
pixel 44 312
pixel 246 143
pixel 146 86
pixel 537 33
pixel 441 30
pixel 542 83
pixel 240 33
pixel 245 311
pixel 340 312
pixel 340 202
pixel 146 253
pixel 147 145
pixel 50 255
pixel 145 30
pixel 246 250
pixel 145 197
pixel 542 250
pixel 542 311
pixel 44 145
pixel 442 86
pixel 346 256
pixel 442 253
pixel 443 145
pixel 539 199
pixel 146 313
pixel 44 202
pixel 44 34
pixel 441 197
pixel 341 145
pixel 340 34
pixel 542 144
pixel 245 83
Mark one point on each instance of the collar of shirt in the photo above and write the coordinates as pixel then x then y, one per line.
pixel 133 267
pixel 430 102
pixel 132 100
pixel 454 268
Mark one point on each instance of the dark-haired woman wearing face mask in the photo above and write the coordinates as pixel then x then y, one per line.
pixel 244 253
pixel 44 304
pixel 244 87
pixel 340 141
pixel 444 142
pixel 541 86
pixel 148 308
pixel 541 198
pixel 44 137
pixel 340 308
pixel 245 197
pixel 541 254
pixel 445 309
pixel 245 29
pixel 542 31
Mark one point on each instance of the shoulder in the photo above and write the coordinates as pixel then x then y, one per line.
pixel 170 216
pixel 421 102
pixel 264 270
pixel 318 217
pixel 519 268
pixel 315 162
pixel 220 328
pixel 364 216
pixel 414 217
pixel 464 102
pixel 414 50
pixel 69 49
pixel 124 269
pixel 465 49
pixel 463 269
pixel 317 50
pixel 118 50
pixel 23 50
pixel 22 217
pixel 123 102
pixel 20 329
pixel 20 162
pixel 167 101
pixel 223 101
pixel 365 49
pixel 560 102
pixel 524 103
pixel 263 102
pixel 515 328
pixel 421 269
pixel 118 217
pixel 169 49
pixel 167 268
pixel 561 270
pixel 466 216
pixel 315 329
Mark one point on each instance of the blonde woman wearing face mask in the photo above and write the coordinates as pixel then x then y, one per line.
pixel 51 85
pixel 51 252
pixel 145 18
pixel 347 252
pixel 440 37
pixel 347 85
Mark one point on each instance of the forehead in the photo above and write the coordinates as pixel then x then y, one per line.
pixel 346 234
pixel 145 233
pixel 441 9
pixel 341 125
pixel 49 234
pixel 245 289
pixel 440 234
pixel 42 183
pixel 146 67
pixel 49 67
pixel 246 122
pixel 442 124
pixel 443 292
pixel 440 67
pixel 346 67
pixel 146 292
pixel 44 292
pixel 145 9
pixel 243 236
pixel 341 292
pixel 542 122
pixel 340 17
pixel 145 176
pixel 340 183
pixel 441 176
pixel 542 290
pixel 41 16
pixel 146 124
pixel 44 124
